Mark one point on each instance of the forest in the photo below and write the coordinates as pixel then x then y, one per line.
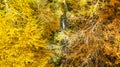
pixel 59 33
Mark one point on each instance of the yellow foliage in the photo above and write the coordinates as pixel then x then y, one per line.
pixel 83 2
pixel 91 37
pixel 23 27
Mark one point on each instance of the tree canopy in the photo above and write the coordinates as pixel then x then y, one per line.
pixel 31 34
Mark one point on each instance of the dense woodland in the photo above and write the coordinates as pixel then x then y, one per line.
pixel 59 33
